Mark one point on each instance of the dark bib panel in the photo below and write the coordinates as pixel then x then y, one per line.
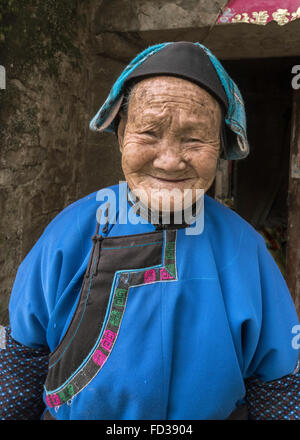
pixel 109 255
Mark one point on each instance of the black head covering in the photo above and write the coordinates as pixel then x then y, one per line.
pixel 184 60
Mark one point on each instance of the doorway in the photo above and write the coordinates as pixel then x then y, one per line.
pixel 257 187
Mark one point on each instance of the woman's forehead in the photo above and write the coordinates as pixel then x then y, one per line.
pixel 163 86
pixel 154 97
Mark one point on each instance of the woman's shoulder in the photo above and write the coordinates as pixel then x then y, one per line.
pixel 228 227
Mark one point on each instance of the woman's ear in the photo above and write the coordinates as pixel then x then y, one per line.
pixel 120 131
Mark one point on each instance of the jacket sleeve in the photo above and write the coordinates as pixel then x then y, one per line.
pixel 43 293
pixel 273 377
pixel 22 374
pixel 275 353
pixel 49 277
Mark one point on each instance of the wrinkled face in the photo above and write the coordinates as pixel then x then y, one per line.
pixel 170 139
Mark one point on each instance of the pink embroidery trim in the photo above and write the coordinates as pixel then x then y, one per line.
pixel 149 276
pixel 108 339
pixel 165 275
pixel 99 358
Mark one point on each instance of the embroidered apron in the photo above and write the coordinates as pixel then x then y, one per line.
pixel 116 264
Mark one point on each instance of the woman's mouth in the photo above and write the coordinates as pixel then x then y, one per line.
pixel 169 180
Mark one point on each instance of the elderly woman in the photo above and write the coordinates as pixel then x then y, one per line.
pixel 155 317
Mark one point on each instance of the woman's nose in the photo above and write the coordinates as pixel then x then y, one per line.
pixel 169 158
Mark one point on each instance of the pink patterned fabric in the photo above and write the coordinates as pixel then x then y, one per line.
pixel 260 12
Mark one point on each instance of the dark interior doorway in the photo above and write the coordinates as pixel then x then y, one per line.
pixel 259 183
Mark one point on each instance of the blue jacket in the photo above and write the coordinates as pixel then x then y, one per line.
pixel 183 344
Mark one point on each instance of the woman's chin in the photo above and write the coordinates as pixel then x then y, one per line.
pixel 166 200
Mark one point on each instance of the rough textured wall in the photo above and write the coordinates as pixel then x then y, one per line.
pixel 149 15
pixel 48 156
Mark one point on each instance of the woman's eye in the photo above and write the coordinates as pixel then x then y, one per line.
pixel 149 133
pixel 193 140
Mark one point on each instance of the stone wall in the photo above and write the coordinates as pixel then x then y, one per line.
pixel 48 156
